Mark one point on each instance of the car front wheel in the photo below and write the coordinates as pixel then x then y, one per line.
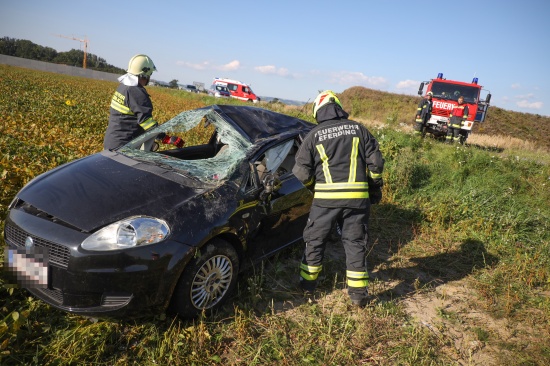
pixel 207 281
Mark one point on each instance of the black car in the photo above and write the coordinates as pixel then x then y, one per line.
pixel 148 227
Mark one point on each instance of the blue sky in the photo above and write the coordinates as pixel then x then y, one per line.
pixel 293 49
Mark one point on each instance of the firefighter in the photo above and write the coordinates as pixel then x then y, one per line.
pixel 341 162
pixel 423 114
pixel 458 115
pixel 131 112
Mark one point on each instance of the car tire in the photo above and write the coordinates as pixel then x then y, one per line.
pixel 207 281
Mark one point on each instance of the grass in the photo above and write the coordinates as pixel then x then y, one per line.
pixel 454 219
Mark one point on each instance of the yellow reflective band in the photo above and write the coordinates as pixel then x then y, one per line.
pixel 340 195
pixel 148 123
pixel 363 283
pixel 121 108
pixel 309 277
pixel 311 269
pixel 353 160
pixel 375 175
pixel 324 159
pixel 341 186
pixel 357 275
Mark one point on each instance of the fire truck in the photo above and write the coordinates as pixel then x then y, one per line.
pixel 445 98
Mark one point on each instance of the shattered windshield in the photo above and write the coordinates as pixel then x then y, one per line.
pixel 453 91
pixel 211 151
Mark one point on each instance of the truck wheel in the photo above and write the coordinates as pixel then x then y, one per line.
pixel 207 281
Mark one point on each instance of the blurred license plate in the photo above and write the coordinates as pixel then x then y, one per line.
pixel 29 267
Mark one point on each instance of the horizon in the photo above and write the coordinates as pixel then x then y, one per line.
pixel 286 55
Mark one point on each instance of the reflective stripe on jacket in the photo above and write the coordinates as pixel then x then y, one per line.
pixel 338 153
pixel 131 114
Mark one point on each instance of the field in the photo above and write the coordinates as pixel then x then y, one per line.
pixel 459 256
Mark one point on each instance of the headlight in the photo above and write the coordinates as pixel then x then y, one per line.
pixel 128 233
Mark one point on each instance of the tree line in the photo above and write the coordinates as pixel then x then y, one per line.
pixel 27 49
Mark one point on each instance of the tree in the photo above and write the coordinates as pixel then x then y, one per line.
pixel 173 84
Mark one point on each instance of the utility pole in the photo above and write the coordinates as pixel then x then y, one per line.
pixel 85 41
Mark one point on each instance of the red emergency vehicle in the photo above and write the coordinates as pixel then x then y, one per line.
pixel 238 89
pixel 445 98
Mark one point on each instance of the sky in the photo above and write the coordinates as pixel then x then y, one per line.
pixel 294 49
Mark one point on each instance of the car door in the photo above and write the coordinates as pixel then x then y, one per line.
pixel 281 215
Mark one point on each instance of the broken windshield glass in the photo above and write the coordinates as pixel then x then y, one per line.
pixel 212 151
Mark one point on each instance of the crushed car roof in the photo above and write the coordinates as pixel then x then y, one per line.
pixel 273 123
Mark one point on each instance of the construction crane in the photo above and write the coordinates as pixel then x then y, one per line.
pixel 85 41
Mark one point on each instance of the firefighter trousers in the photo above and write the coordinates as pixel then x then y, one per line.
pixel 318 231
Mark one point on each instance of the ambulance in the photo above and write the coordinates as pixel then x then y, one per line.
pixel 238 89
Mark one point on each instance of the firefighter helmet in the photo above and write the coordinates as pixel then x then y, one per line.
pixel 431 94
pixel 323 99
pixel 141 65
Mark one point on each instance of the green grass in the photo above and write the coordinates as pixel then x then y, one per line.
pixel 450 215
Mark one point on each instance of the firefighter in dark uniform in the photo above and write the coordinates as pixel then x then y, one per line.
pixel 458 115
pixel 423 114
pixel 342 162
pixel 131 112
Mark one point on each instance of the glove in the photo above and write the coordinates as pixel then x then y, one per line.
pixel 173 140
pixel 375 195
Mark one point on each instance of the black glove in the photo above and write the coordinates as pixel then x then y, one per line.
pixel 375 195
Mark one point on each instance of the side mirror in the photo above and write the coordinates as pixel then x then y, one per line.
pixel 488 99
pixel 420 88
pixel 271 184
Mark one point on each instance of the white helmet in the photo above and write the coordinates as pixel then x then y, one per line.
pixel 324 98
pixel 141 65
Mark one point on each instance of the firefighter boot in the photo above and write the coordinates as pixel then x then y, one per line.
pixel 359 297
pixel 308 286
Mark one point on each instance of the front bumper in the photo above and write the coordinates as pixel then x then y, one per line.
pixel 131 282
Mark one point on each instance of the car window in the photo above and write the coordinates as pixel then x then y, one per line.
pixel 213 149
pixel 278 159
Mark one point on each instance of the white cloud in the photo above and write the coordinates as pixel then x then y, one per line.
pixel 526 96
pixel 357 79
pixel 407 84
pixel 274 70
pixel 529 105
pixel 202 66
pixel 516 86
pixel 233 65
pixel 206 65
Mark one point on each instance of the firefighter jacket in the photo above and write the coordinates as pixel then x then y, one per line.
pixel 424 110
pixel 131 114
pixel 342 158
pixel 458 115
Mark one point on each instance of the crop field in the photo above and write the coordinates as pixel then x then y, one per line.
pixel 459 254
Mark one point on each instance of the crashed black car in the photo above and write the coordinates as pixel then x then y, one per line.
pixel 152 227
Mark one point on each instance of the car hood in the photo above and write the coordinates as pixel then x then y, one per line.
pixel 103 188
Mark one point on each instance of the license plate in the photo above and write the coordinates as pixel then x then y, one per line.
pixel 29 267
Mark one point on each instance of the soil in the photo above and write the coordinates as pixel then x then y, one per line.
pixel 467 334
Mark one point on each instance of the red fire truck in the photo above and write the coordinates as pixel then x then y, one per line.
pixel 445 97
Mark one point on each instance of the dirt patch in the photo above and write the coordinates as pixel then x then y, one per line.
pixel 448 308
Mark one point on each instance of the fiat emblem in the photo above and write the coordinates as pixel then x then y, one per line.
pixel 29 243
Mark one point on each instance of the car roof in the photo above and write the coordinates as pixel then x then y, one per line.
pixel 246 119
